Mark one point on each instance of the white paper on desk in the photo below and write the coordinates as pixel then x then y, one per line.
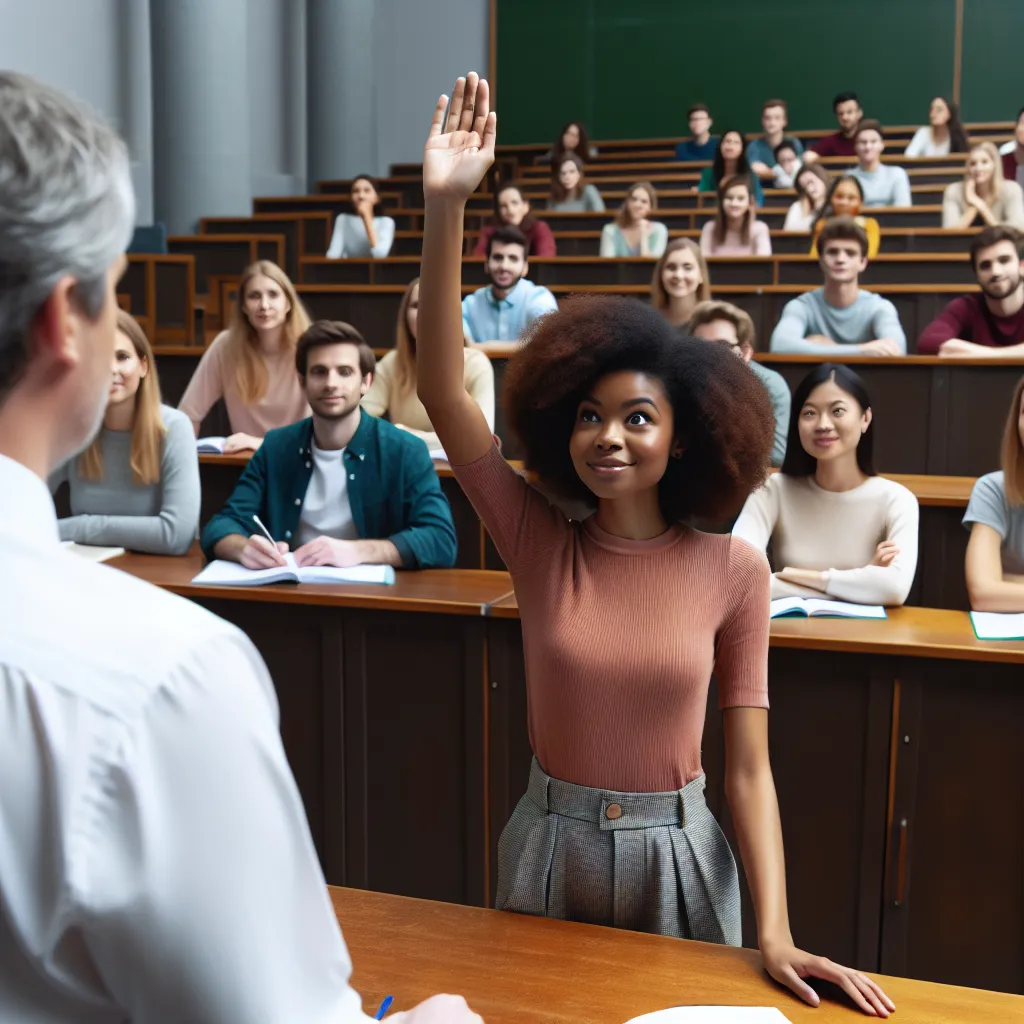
pixel 438 455
pixel 91 552
pixel 714 1015
pixel 210 445
pixel 221 573
pixel 998 625
pixel 818 608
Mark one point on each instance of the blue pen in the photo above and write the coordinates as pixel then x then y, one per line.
pixel 384 1007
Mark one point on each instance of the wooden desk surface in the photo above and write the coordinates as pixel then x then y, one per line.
pixel 524 970
pixel 448 591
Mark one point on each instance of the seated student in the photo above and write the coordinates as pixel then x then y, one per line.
pixel 726 323
pixel 137 485
pixel 836 529
pixel 882 184
pixel 680 280
pixel 702 144
pixel 570 193
pixel 251 365
pixel 944 133
pixel 1013 153
pixel 984 196
pixel 512 209
pixel 812 183
pixel 573 138
pixel 631 233
pixel 840 317
pixel 761 152
pixel 735 231
pixel 844 199
pixel 994 566
pixel 989 323
pixel 502 311
pixel 730 161
pixel 393 391
pixel 341 488
pixel 361 234
pixel 787 163
pixel 848 113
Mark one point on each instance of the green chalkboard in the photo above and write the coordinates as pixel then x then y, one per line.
pixel 630 68
pixel 992 87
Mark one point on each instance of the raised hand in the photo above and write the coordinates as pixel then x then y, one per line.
pixel 460 148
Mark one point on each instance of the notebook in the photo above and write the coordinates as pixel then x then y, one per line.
pixel 221 573
pixel 997 625
pixel 91 552
pixel 714 1015
pixel 438 455
pixel 210 445
pixel 815 608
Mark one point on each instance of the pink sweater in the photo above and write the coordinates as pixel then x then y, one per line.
pixel 760 243
pixel 620 637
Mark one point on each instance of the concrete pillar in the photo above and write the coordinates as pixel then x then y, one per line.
pixel 201 155
pixel 135 87
pixel 342 132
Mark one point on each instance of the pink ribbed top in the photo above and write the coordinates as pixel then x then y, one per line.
pixel 620 637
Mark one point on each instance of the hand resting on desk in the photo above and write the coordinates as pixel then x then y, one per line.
pixel 438 1010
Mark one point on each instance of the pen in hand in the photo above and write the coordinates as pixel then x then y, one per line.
pixel 384 1007
pixel 273 543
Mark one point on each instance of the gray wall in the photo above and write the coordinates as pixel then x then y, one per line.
pixel 99 51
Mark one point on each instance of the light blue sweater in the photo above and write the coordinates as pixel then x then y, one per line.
pixel 888 186
pixel 868 318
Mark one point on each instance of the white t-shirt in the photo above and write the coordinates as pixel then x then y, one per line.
pixel 326 511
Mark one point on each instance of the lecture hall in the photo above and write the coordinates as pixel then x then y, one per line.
pixel 346 347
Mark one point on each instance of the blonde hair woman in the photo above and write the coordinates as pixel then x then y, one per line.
pixel 393 390
pixel 251 365
pixel 631 233
pixel 984 197
pixel 137 485
pixel 680 281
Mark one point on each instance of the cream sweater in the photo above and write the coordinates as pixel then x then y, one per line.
pixel 406 409
pixel 837 532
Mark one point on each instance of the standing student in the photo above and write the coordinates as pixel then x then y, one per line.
pixel 882 184
pixel 840 317
pixel 994 566
pixel 573 138
pixel 570 192
pixel 341 488
pixel 251 365
pixel 730 161
pixel 512 209
pixel 504 309
pixel 611 408
pixel 146 795
pixel 989 323
pixel 680 280
pixel 393 390
pixel 735 231
pixel 836 528
pixel 360 233
pixel 845 199
pixel 137 485
pixel 984 196
pixel 841 143
pixel 632 233
pixel 761 152
pixel 723 322
pixel 944 134
pixel 702 144
pixel 812 183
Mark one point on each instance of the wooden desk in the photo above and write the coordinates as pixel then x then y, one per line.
pixel 900 775
pixel 514 969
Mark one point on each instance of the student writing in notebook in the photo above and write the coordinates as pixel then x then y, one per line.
pixel 836 528
pixel 342 487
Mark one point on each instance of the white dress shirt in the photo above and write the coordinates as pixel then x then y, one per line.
pixel 155 860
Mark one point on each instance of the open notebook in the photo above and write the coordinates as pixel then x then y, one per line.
pixel 998 625
pixel 210 445
pixel 220 573
pixel 714 1015
pixel 816 608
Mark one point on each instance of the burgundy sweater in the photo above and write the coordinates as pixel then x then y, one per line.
pixel 540 241
pixel 970 319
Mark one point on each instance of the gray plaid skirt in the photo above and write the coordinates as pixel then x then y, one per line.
pixel 649 862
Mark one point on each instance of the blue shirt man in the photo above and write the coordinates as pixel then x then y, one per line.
pixel 503 310
pixel 703 144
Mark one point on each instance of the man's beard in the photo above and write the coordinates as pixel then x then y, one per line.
pixel 335 414
pixel 1003 295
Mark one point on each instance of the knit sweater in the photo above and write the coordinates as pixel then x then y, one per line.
pixel 835 531
pixel 620 637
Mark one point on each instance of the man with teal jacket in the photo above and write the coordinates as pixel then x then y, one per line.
pixel 341 488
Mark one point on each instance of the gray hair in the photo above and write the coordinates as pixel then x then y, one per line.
pixel 66 207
